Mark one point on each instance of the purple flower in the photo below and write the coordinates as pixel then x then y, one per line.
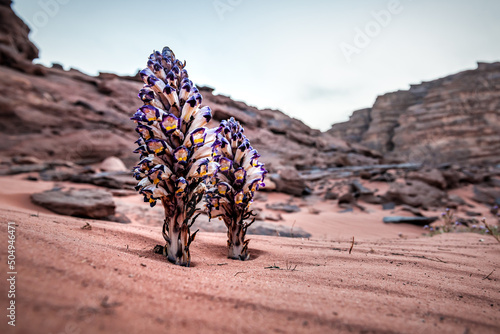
pixel 175 149
pixel 239 176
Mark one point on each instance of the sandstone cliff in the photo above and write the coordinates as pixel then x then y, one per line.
pixel 67 116
pixel 452 119
pixel 16 50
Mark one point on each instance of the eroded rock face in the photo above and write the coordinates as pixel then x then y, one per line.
pixel 354 129
pixel 16 50
pixel 70 119
pixel 287 142
pixel 70 116
pixel 452 119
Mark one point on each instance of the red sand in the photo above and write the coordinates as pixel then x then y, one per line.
pixel 108 280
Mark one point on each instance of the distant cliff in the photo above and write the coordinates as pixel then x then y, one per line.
pixel 452 119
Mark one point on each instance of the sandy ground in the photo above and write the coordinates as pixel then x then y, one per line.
pixel 108 280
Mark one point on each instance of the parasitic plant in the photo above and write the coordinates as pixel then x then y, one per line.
pixel 234 185
pixel 175 149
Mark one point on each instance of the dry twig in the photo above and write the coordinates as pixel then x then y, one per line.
pixel 488 276
pixel 87 226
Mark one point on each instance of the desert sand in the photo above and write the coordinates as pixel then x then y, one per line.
pixel 107 279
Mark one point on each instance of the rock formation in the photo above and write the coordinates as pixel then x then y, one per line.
pixel 452 119
pixel 87 203
pixel 57 122
pixel 16 50
pixel 70 116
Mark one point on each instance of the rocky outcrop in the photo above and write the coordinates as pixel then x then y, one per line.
pixel 284 141
pixel 70 116
pixel 416 194
pixel 16 50
pixel 432 177
pixel 452 119
pixel 64 115
pixel 354 129
pixel 288 180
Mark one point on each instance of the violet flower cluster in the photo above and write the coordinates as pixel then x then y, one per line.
pixel 181 156
pixel 239 176
pixel 175 149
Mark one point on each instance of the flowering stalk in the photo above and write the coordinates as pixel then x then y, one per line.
pixel 234 185
pixel 175 149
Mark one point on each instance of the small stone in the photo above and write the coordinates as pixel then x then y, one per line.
pixel 113 164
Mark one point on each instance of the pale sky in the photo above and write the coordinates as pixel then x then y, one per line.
pixel 315 60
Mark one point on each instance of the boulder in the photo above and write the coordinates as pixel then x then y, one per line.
pixel 330 194
pixel 272 217
pixel 453 177
pixel 359 190
pixel 384 177
pixel 289 181
pixel 473 213
pixel 454 201
pixel 26 160
pixel 269 185
pixel 373 199
pixel 346 198
pixel 285 207
pixel 19 169
pixel 486 195
pixel 420 221
pixel 58 174
pixel 411 209
pixel 113 164
pixel 265 228
pixel 87 203
pixel 113 180
pixel 432 177
pixel 415 193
